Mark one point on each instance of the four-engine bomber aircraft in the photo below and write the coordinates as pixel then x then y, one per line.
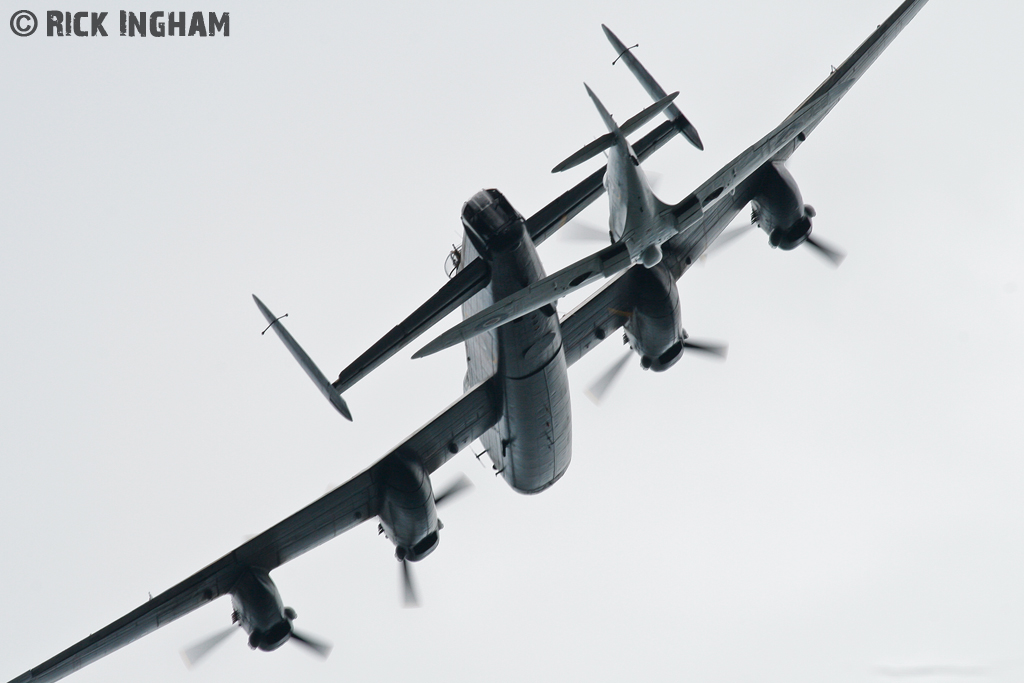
pixel 516 398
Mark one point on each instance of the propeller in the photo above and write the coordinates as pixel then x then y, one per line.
pixel 710 348
pixel 597 391
pixel 730 234
pixel 315 646
pixel 456 487
pixel 409 597
pixel 193 654
pixel 197 652
pixel 653 180
pixel 579 230
pixel 830 253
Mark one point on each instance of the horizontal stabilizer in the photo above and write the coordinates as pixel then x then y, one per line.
pixel 653 89
pixel 608 139
pixel 326 388
pixel 605 263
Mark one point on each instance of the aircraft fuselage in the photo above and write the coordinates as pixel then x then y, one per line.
pixel 531 445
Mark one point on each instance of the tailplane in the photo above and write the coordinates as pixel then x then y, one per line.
pixel 682 124
pixel 322 383
pixel 614 131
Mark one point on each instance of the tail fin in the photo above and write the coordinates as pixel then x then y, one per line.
pixel 609 139
pixel 326 388
pixel 609 122
pixel 653 89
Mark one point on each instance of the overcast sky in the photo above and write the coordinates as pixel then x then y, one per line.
pixel 841 500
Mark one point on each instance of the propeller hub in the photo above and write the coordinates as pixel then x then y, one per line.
pixel 793 236
pixel 273 638
pixel 669 358
pixel 422 548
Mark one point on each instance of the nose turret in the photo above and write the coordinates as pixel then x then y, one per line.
pixel 491 223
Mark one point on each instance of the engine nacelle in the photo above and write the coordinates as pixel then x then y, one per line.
pixel 779 209
pixel 259 610
pixel 654 330
pixel 408 515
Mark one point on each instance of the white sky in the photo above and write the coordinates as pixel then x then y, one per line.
pixel 843 495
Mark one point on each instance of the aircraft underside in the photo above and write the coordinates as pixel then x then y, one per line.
pixel 531 445
pixel 516 399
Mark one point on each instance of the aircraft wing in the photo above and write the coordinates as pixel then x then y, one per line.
pixel 736 178
pixel 842 78
pixel 689 215
pixel 780 144
pixel 475 275
pixel 336 512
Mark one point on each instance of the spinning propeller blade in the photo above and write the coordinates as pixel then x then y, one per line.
pixel 456 487
pixel 581 231
pixel 653 179
pixel 710 348
pixel 833 255
pixel 193 654
pixel 596 391
pixel 409 598
pixel 316 646
pixel 729 235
